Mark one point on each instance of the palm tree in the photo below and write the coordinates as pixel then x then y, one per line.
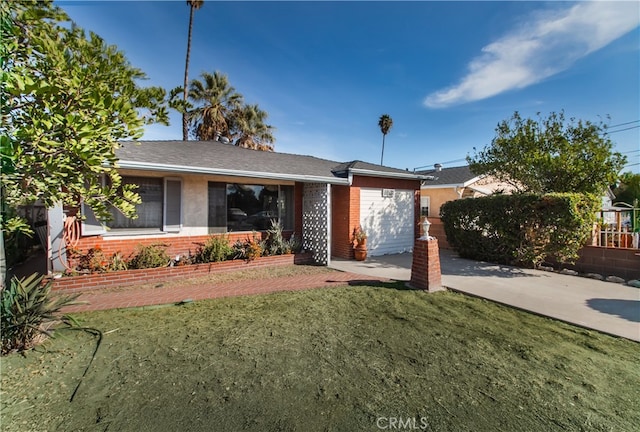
pixel 193 4
pixel 385 124
pixel 215 100
pixel 249 123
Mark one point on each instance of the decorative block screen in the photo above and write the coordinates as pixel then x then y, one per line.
pixel 316 218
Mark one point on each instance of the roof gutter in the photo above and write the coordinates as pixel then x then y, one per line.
pixel 426 185
pixel 384 174
pixel 146 166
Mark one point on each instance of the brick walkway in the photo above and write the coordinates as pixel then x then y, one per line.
pixel 135 297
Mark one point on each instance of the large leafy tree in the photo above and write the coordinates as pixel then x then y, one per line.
pixel 385 122
pixel 67 99
pixel 193 6
pixel 550 154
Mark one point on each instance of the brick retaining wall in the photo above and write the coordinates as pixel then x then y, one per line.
pixel 624 263
pixel 142 276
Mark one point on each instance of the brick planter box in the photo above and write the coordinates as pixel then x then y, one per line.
pixel 142 276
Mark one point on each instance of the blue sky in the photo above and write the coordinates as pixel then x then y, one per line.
pixel 446 72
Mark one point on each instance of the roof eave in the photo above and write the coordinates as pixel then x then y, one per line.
pixel 383 174
pixel 441 186
pixel 451 185
pixel 145 166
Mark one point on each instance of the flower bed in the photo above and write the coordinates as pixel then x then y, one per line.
pixel 140 276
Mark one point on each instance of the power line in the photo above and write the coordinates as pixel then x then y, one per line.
pixel 441 163
pixel 621 130
pixel 453 161
pixel 622 124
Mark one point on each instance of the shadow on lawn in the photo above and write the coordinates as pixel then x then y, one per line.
pixel 395 285
pixel 626 309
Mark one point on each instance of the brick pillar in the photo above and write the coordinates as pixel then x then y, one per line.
pixel 425 269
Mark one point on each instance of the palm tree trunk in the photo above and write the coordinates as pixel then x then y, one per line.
pixel 185 123
pixel 382 157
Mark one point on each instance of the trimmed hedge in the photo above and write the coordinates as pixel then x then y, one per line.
pixel 521 229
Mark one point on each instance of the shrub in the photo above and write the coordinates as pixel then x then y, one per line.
pixel 275 243
pixel 29 313
pixel 151 256
pixel 295 245
pixel 215 249
pixel 117 262
pixel 93 261
pixel 249 249
pixel 521 229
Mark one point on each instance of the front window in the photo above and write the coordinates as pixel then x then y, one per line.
pixel 249 207
pixel 149 211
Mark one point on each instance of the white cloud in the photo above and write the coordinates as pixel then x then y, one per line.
pixel 548 44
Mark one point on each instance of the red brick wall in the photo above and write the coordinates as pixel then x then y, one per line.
pixel 142 276
pixel 624 263
pixel 345 217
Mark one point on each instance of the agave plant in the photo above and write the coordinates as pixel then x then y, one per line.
pixel 29 313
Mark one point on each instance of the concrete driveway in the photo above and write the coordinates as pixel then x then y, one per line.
pixel 604 306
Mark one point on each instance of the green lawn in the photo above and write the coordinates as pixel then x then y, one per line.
pixel 348 359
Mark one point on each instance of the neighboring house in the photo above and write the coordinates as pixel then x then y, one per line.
pixel 607 199
pixel 448 184
pixel 191 190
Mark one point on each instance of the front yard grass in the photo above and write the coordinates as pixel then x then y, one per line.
pixel 346 359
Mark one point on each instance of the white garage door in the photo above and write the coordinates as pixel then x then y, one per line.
pixel 387 216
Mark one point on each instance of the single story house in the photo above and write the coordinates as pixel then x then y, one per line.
pixel 191 190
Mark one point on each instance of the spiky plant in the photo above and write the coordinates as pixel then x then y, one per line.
pixel 30 313
pixel 276 243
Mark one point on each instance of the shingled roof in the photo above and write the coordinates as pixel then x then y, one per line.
pixel 458 176
pixel 212 157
